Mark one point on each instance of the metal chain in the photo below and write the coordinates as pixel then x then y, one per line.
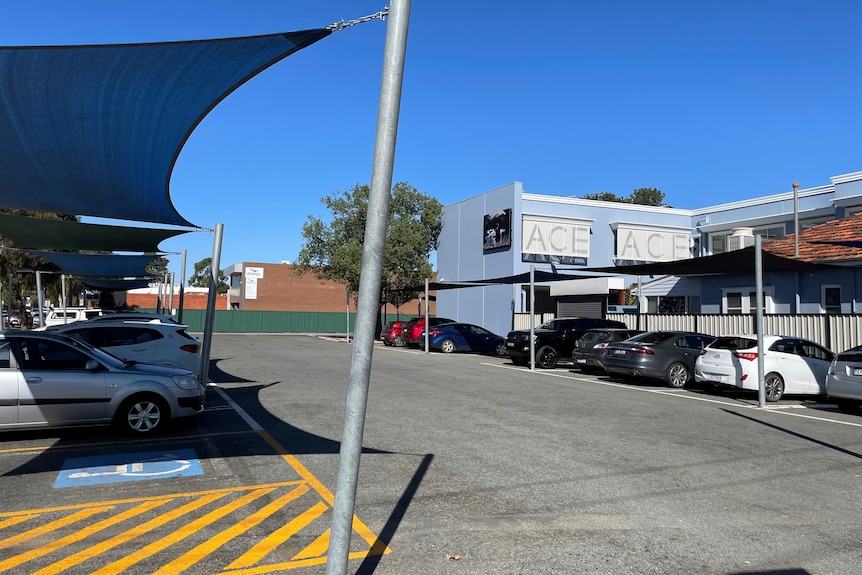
pixel 339 26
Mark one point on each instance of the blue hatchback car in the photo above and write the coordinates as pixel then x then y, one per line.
pixel 449 337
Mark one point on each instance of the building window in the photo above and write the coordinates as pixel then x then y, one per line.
pixel 744 300
pixel 830 298
pixel 733 303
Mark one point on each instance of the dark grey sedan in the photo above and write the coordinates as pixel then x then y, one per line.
pixel 665 355
pixel 591 348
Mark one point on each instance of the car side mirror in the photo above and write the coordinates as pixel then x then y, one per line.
pixel 92 365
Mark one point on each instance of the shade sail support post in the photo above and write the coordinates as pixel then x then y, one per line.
pixel 182 287
pixel 206 345
pixel 758 287
pixel 367 305
pixel 532 317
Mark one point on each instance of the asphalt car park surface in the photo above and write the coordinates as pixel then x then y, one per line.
pixel 470 465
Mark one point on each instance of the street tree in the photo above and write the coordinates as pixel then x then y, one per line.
pixel 202 274
pixel 157 268
pixel 333 248
pixel 641 196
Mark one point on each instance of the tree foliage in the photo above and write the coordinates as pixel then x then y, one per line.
pixel 157 268
pixel 202 273
pixel 333 249
pixel 641 196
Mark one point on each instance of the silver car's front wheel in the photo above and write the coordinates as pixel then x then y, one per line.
pixel 143 414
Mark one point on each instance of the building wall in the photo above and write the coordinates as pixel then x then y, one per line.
pixel 278 288
pixel 147 298
pixel 461 257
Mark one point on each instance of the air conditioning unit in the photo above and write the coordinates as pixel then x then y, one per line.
pixel 740 238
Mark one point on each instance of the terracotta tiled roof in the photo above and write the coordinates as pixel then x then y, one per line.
pixel 844 229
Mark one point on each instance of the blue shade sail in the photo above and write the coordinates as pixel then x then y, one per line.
pixel 98 265
pixel 96 130
pixel 38 233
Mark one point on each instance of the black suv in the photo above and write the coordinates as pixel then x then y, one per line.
pixel 554 339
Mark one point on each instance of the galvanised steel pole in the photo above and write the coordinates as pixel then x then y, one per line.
pixel 182 287
pixel 206 345
pixel 427 323
pixel 369 287
pixel 758 286
pixel 532 317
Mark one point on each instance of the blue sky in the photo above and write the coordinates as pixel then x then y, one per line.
pixel 711 102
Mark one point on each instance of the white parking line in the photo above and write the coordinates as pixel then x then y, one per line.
pixel 682 394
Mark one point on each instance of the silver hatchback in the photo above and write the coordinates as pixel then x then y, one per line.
pixel 49 380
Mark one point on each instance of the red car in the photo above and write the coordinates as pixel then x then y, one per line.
pixel 416 326
pixel 391 334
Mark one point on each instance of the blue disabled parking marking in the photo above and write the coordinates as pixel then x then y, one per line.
pixel 96 470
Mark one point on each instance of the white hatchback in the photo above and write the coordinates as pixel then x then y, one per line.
pixel 792 365
pixel 168 344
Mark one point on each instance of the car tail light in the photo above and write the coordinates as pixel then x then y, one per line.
pixel 603 345
pixel 643 350
pixel 191 347
pixel 435 332
pixel 749 355
pixel 703 351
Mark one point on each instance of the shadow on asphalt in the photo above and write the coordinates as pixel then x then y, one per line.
pixel 795 434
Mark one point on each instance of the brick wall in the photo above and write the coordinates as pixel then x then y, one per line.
pixel 191 300
pixel 280 289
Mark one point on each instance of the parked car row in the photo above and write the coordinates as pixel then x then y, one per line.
pixel 791 365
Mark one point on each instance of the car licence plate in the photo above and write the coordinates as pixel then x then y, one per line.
pixel 619 352
pixel 582 360
pixel 510 344
pixel 857 371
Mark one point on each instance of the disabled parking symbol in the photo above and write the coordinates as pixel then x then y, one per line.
pixel 79 471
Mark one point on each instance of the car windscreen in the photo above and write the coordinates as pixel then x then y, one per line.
pixel 595 336
pixel 733 342
pixel 651 337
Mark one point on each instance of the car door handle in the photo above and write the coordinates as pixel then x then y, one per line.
pixel 34 379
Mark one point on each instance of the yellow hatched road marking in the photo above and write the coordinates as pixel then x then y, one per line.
pixel 317 548
pixel 279 536
pixel 52 526
pixel 78 535
pixel 180 534
pixel 150 498
pixel 15 520
pixel 321 489
pixel 136 531
pixel 293 564
pixel 182 563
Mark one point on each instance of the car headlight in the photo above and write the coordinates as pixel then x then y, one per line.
pixel 186 381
